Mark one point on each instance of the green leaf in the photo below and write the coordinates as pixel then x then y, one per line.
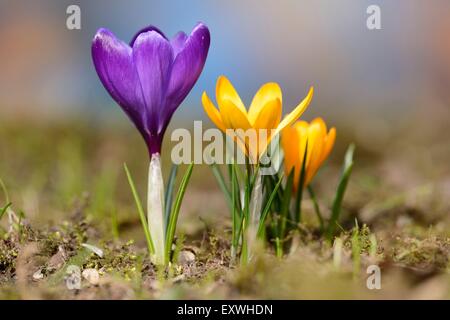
pixel 253 177
pixel 223 186
pixel 271 181
pixel 171 227
pixel 137 200
pixel 301 182
pixel 5 192
pixel 342 186
pixel 235 209
pixel 285 205
pixel 169 192
pixel 4 209
pixel 278 248
pixel 267 207
pixel 316 207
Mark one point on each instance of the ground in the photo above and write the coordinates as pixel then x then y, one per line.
pixel 72 208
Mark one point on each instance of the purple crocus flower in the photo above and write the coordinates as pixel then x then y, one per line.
pixel 150 77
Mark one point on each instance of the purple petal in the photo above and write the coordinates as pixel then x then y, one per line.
pixel 186 68
pixel 152 57
pixel 113 63
pixel 178 42
pixel 146 29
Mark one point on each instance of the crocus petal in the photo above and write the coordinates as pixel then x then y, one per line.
pixel 268 92
pixel 146 29
pixel 232 116
pixel 190 56
pixel 329 143
pixel 267 119
pixel 226 91
pixel 294 115
pixel 113 62
pixel 268 116
pixel 178 42
pixel 301 128
pixel 212 112
pixel 316 134
pixel 291 144
pixel 294 140
pixel 152 57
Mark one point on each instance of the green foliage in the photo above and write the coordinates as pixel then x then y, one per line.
pixel 301 182
pixel 138 202
pixel 172 208
pixel 169 192
pixel 340 191
pixel 173 218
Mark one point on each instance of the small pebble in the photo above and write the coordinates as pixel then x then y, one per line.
pixel 38 275
pixel 94 249
pixel 186 257
pixel 92 276
pixel 179 278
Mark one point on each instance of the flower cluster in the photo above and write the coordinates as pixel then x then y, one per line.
pixel 151 76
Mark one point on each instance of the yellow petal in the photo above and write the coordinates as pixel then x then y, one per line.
pixel 212 112
pixel 329 143
pixel 266 124
pixel 226 91
pixel 269 116
pixel 232 116
pixel 327 139
pixel 316 136
pixel 290 145
pixel 297 112
pixel 301 128
pixel 268 92
pixel 319 122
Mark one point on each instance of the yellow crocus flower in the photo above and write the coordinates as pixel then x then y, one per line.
pixel 264 113
pixel 320 144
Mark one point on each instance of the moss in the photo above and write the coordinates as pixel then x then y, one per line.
pixel 431 252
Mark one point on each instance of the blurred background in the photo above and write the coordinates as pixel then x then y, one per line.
pixel 46 69
pixel 387 90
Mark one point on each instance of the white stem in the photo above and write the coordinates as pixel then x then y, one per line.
pixel 155 208
pixel 255 215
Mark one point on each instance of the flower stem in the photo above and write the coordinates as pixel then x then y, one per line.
pixel 255 214
pixel 155 208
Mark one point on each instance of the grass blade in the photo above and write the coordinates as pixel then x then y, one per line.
pixel 5 192
pixel 223 186
pixel 169 192
pixel 267 207
pixel 140 210
pixel 316 207
pixel 171 226
pixel 301 182
pixel 235 212
pixel 271 181
pixel 285 205
pixel 342 186
pixel 4 209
